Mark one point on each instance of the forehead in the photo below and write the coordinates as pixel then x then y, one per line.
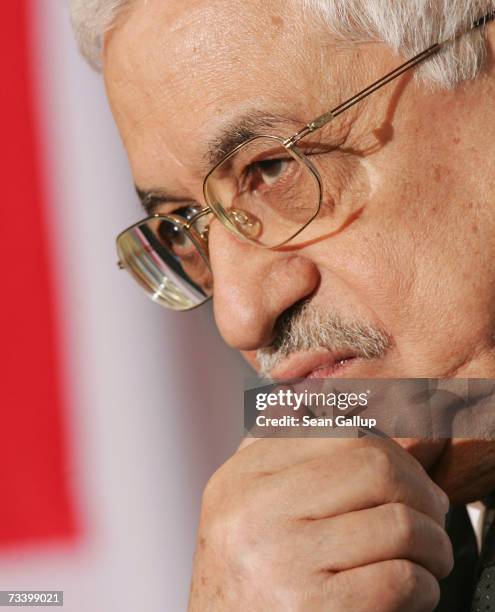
pixel 176 71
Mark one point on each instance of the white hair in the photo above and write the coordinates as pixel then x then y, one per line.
pixel 91 19
pixel 407 26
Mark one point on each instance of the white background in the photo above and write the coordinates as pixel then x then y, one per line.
pixel 155 397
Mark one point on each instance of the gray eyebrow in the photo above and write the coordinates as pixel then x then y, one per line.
pixel 230 135
pixel 150 198
pixel 238 131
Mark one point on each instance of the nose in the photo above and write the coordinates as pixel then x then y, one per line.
pixel 253 286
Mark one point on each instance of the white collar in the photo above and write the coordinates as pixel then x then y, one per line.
pixel 476 511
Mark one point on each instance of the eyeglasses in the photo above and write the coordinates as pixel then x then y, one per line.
pixel 266 191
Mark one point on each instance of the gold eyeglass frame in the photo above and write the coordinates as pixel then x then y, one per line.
pixel 289 144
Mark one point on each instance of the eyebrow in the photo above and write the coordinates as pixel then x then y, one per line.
pixel 239 130
pixel 151 198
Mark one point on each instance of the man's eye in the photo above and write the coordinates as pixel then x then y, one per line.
pixel 267 172
pixel 172 235
pixel 186 212
pixel 272 169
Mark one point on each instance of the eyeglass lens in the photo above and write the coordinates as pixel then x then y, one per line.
pixel 264 192
pixel 166 261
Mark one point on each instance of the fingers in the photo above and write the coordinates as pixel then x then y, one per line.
pixel 391 531
pixel 390 586
pixel 275 454
pixel 362 477
pixel 345 524
pixel 270 456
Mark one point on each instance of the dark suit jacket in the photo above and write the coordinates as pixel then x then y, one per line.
pixel 457 589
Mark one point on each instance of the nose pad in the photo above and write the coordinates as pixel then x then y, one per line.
pixel 245 223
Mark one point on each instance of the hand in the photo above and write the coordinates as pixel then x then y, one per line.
pixel 320 525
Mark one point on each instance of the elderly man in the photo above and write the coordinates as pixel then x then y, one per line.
pixel 343 230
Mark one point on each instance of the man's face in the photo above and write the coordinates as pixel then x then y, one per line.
pixel 416 263
pixel 414 267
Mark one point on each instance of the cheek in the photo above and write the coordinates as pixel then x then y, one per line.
pixel 402 273
pixel 423 227
pixel 364 273
pixel 430 234
pixel 444 295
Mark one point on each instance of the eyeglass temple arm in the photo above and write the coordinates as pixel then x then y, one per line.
pixel 322 120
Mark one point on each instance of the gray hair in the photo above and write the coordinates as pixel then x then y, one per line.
pixel 407 26
pixel 304 328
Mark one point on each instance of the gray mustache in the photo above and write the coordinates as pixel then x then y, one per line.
pixel 304 328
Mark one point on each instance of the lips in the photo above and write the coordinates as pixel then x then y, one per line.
pixel 318 364
pixel 334 370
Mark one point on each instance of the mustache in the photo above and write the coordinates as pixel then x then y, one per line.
pixel 304 328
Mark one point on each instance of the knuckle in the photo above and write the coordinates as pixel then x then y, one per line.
pixel 434 594
pixel 219 512
pixel 232 540
pixel 442 499
pixel 237 537
pixel 407 585
pixel 222 488
pixel 408 577
pixel 405 524
pixel 213 489
pixel 416 581
pixel 209 494
pixel 433 598
pixel 436 507
pixel 446 554
pixel 380 459
pixel 234 530
pixel 382 469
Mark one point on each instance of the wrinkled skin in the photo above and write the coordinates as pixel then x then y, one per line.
pixel 416 263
